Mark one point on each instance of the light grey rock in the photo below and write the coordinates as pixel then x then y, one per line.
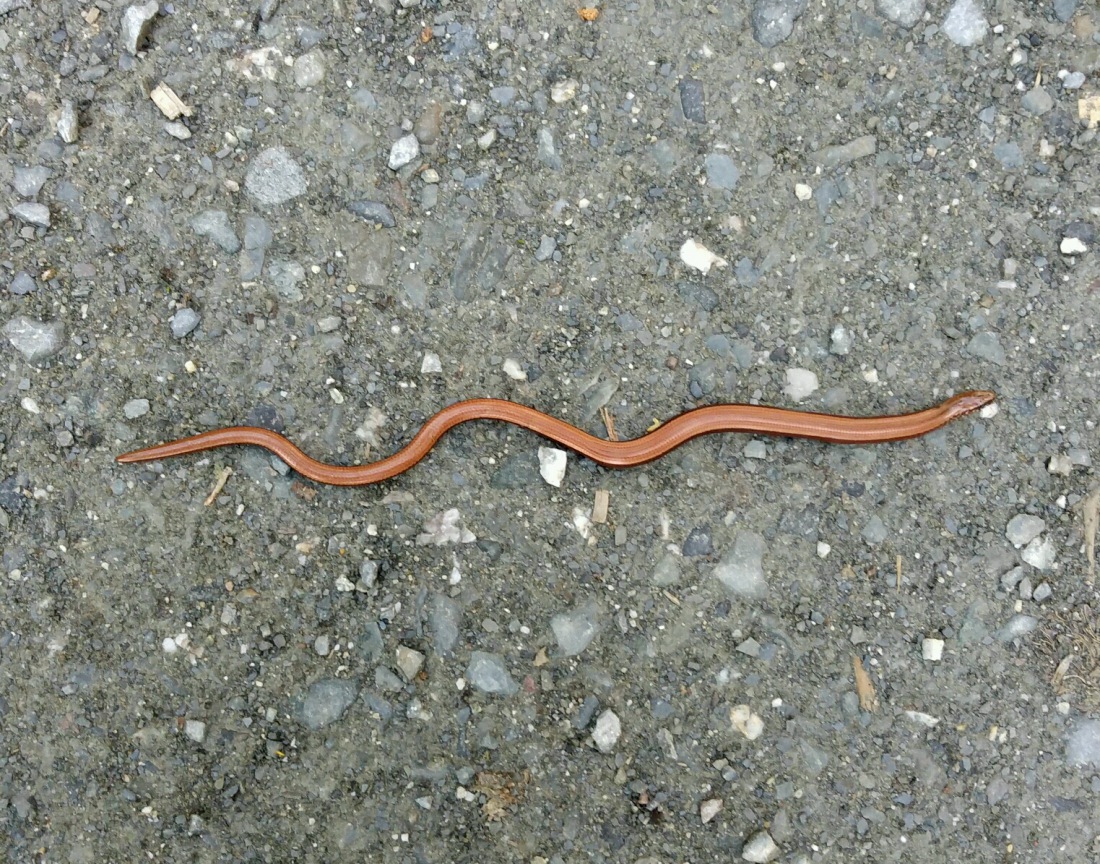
pixel 214 225
pixel 136 21
pixel 274 177
pixel 741 569
pixel 574 630
pixel 35 340
pixel 488 674
pixel 403 151
pixel 965 24
pixel 32 213
pixel 324 702
pixel 184 321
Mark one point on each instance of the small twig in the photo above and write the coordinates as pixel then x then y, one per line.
pixel 609 421
pixel 897 586
pixel 218 486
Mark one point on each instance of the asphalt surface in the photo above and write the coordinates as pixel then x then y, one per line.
pixel 333 219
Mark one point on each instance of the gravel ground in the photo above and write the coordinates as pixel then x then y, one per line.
pixel 335 218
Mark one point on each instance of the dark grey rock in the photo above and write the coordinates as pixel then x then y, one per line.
pixel 214 225
pixel 699 542
pixel 23 283
pixel 693 101
pixel 325 702
pixel 373 211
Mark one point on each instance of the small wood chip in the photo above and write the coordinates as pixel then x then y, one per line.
pixel 600 505
pixel 589 14
pixel 609 422
pixel 1060 673
pixel 218 486
pixel 426 35
pixel 868 701
pixel 897 584
pixel 541 658
pixel 170 105
pixel 672 598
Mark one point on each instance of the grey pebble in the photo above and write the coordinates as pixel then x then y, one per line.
pixel 1009 154
pixel 1074 81
pixel 285 276
pixel 409 662
pixel 1012 578
pixel 586 712
pixel 1081 230
pixel 177 130
pixel 741 569
pixel 575 629
pixel 325 702
pixel 904 13
pixel 1023 528
pixel 195 730
pixel 368 575
pixel 1064 10
pixel 387 680
pixel 1017 626
pixel 755 450
pixel 1083 744
pixel 1037 101
pixel 841 154
pixel 329 323
pixel 773 20
pixel 403 151
pixel 874 532
pixel 214 225
pixel 840 340
pixel 32 213
pixel 475 112
pixel 546 248
pixel 667 571
pixel 503 95
pixel 444 621
pixel 722 173
pixel 135 408
pixel 184 321
pixel 693 101
pixel 547 149
pixel 35 340
pixel 268 9
pixel 23 283
pixel 274 177
pixel 488 673
pixel 698 542
pixel 67 125
pixel 1043 592
pixel 7 6
pixel 257 237
pixel 321 646
pixel 135 25
pixel 987 346
pixel 996 791
pixel 965 23
pixel 309 69
pixel 373 211
pixel 29 181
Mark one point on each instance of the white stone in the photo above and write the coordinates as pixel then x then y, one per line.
pixel 563 91
pixel 803 192
pixel 195 730
pixel 552 462
pixel 1039 553
pixel 1073 246
pixel 431 364
pixel 699 257
pixel 760 848
pixel 965 24
pixel 608 731
pixel 932 649
pixel 513 370
pixel 709 809
pixel 746 722
pixel 800 384
pixel 403 152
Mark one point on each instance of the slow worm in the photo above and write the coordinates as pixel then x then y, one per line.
pixel 611 454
